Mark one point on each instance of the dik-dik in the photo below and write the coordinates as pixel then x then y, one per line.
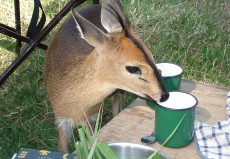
pixel 95 53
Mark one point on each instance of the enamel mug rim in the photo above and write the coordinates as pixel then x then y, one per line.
pixel 172 64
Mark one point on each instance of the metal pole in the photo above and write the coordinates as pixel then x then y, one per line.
pixel 12 33
pixel 17 24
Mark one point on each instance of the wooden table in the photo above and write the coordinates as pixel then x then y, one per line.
pixel 137 120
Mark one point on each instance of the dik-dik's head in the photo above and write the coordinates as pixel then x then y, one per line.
pixel 123 60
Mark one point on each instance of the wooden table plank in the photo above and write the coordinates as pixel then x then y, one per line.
pixel 212 100
pixel 138 120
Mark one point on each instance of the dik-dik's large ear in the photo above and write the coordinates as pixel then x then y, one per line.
pixel 112 16
pixel 88 31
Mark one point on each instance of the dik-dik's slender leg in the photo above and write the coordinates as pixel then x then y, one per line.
pixel 65 126
pixel 62 141
pixel 65 130
pixel 117 100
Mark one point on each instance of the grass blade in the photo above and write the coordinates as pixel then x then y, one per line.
pixel 83 141
pixel 92 150
pixel 78 150
pixel 92 140
pixel 106 151
pixel 98 120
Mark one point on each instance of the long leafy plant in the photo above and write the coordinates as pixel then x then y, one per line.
pixel 89 148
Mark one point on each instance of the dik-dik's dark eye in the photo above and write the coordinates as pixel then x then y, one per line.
pixel 133 70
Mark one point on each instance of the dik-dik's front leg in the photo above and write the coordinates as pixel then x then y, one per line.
pixel 65 126
pixel 65 130
pixel 117 100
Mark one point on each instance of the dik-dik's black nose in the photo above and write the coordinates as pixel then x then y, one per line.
pixel 164 96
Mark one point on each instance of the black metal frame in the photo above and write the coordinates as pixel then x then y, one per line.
pixel 17 24
pixel 33 43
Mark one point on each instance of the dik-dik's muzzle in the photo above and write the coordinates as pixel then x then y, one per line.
pixel 164 96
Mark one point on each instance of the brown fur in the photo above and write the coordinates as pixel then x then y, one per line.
pixel 84 66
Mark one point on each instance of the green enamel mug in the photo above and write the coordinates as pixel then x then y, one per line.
pixel 179 107
pixel 170 76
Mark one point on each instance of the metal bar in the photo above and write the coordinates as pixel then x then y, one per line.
pixel 19 37
pixel 7 27
pixel 17 24
pixel 38 39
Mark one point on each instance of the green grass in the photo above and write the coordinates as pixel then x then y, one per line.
pixel 194 34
